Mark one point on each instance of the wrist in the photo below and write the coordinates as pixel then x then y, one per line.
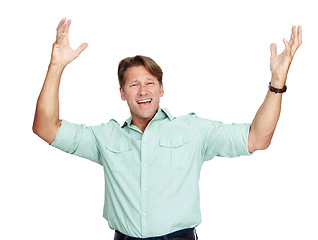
pixel 56 66
pixel 276 90
pixel 278 82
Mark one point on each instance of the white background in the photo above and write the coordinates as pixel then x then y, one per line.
pixel 215 58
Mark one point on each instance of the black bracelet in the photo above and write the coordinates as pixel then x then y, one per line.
pixel 277 90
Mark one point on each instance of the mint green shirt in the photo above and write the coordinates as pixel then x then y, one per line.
pixel 152 178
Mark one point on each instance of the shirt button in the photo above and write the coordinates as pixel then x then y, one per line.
pixel 145 189
pixel 144 140
pixel 144 214
pixel 145 164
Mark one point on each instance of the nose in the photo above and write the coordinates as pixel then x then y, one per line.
pixel 142 90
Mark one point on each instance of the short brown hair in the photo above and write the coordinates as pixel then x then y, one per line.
pixel 136 61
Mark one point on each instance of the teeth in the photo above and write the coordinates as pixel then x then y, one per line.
pixel 144 101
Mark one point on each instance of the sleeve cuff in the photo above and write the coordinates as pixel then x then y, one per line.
pixel 240 134
pixel 65 136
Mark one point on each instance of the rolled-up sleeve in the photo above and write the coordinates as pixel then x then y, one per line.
pixel 239 136
pixel 225 140
pixel 77 139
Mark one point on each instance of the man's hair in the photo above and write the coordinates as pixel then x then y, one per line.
pixel 136 61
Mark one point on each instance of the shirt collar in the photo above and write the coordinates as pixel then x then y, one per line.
pixel 169 115
pixel 161 114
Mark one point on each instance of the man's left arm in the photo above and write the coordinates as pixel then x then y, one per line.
pixel 265 121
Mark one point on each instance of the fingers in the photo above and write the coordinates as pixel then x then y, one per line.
pixel 297 35
pixel 294 42
pixel 293 35
pixel 297 39
pixel 300 35
pixel 80 49
pixel 62 30
pixel 67 26
pixel 61 22
pixel 286 43
pixel 292 45
pixel 273 50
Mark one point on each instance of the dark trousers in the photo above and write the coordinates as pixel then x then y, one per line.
pixel 185 234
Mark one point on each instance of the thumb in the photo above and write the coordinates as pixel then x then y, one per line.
pixel 273 50
pixel 80 49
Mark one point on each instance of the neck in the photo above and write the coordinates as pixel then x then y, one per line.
pixel 141 123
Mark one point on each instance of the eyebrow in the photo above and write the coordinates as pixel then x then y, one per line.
pixel 148 78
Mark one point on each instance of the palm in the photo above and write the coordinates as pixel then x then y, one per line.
pixel 62 53
pixel 279 64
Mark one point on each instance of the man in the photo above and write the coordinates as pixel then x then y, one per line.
pixel 152 162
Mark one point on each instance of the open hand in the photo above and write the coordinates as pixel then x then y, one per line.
pixel 62 53
pixel 279 64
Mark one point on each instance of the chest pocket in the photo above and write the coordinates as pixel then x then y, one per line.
pixel 118 155
pixel 173 152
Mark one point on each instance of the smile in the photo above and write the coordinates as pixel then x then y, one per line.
pixel 144 101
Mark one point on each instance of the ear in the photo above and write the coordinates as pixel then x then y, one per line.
pixel 161 91
pixel 122 94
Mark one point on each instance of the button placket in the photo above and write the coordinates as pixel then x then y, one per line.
pixel 143 186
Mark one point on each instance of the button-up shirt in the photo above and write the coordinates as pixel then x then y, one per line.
pixel 152 177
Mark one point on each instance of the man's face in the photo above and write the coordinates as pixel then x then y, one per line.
pixel 142 92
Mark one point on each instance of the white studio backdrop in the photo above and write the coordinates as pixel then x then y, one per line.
pixel 215 59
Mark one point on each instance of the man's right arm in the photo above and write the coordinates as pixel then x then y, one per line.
pixel 46 120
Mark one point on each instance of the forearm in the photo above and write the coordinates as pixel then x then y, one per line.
pixel 48 101
pixel 265 121
pixel 46 119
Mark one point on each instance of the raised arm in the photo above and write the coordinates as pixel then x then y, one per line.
pixel 46 120
pixel 265 121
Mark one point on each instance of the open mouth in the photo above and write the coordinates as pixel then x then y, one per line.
pixel 145 101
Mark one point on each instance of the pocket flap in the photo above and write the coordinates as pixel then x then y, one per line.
pixel 118 147
pixel 173 142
